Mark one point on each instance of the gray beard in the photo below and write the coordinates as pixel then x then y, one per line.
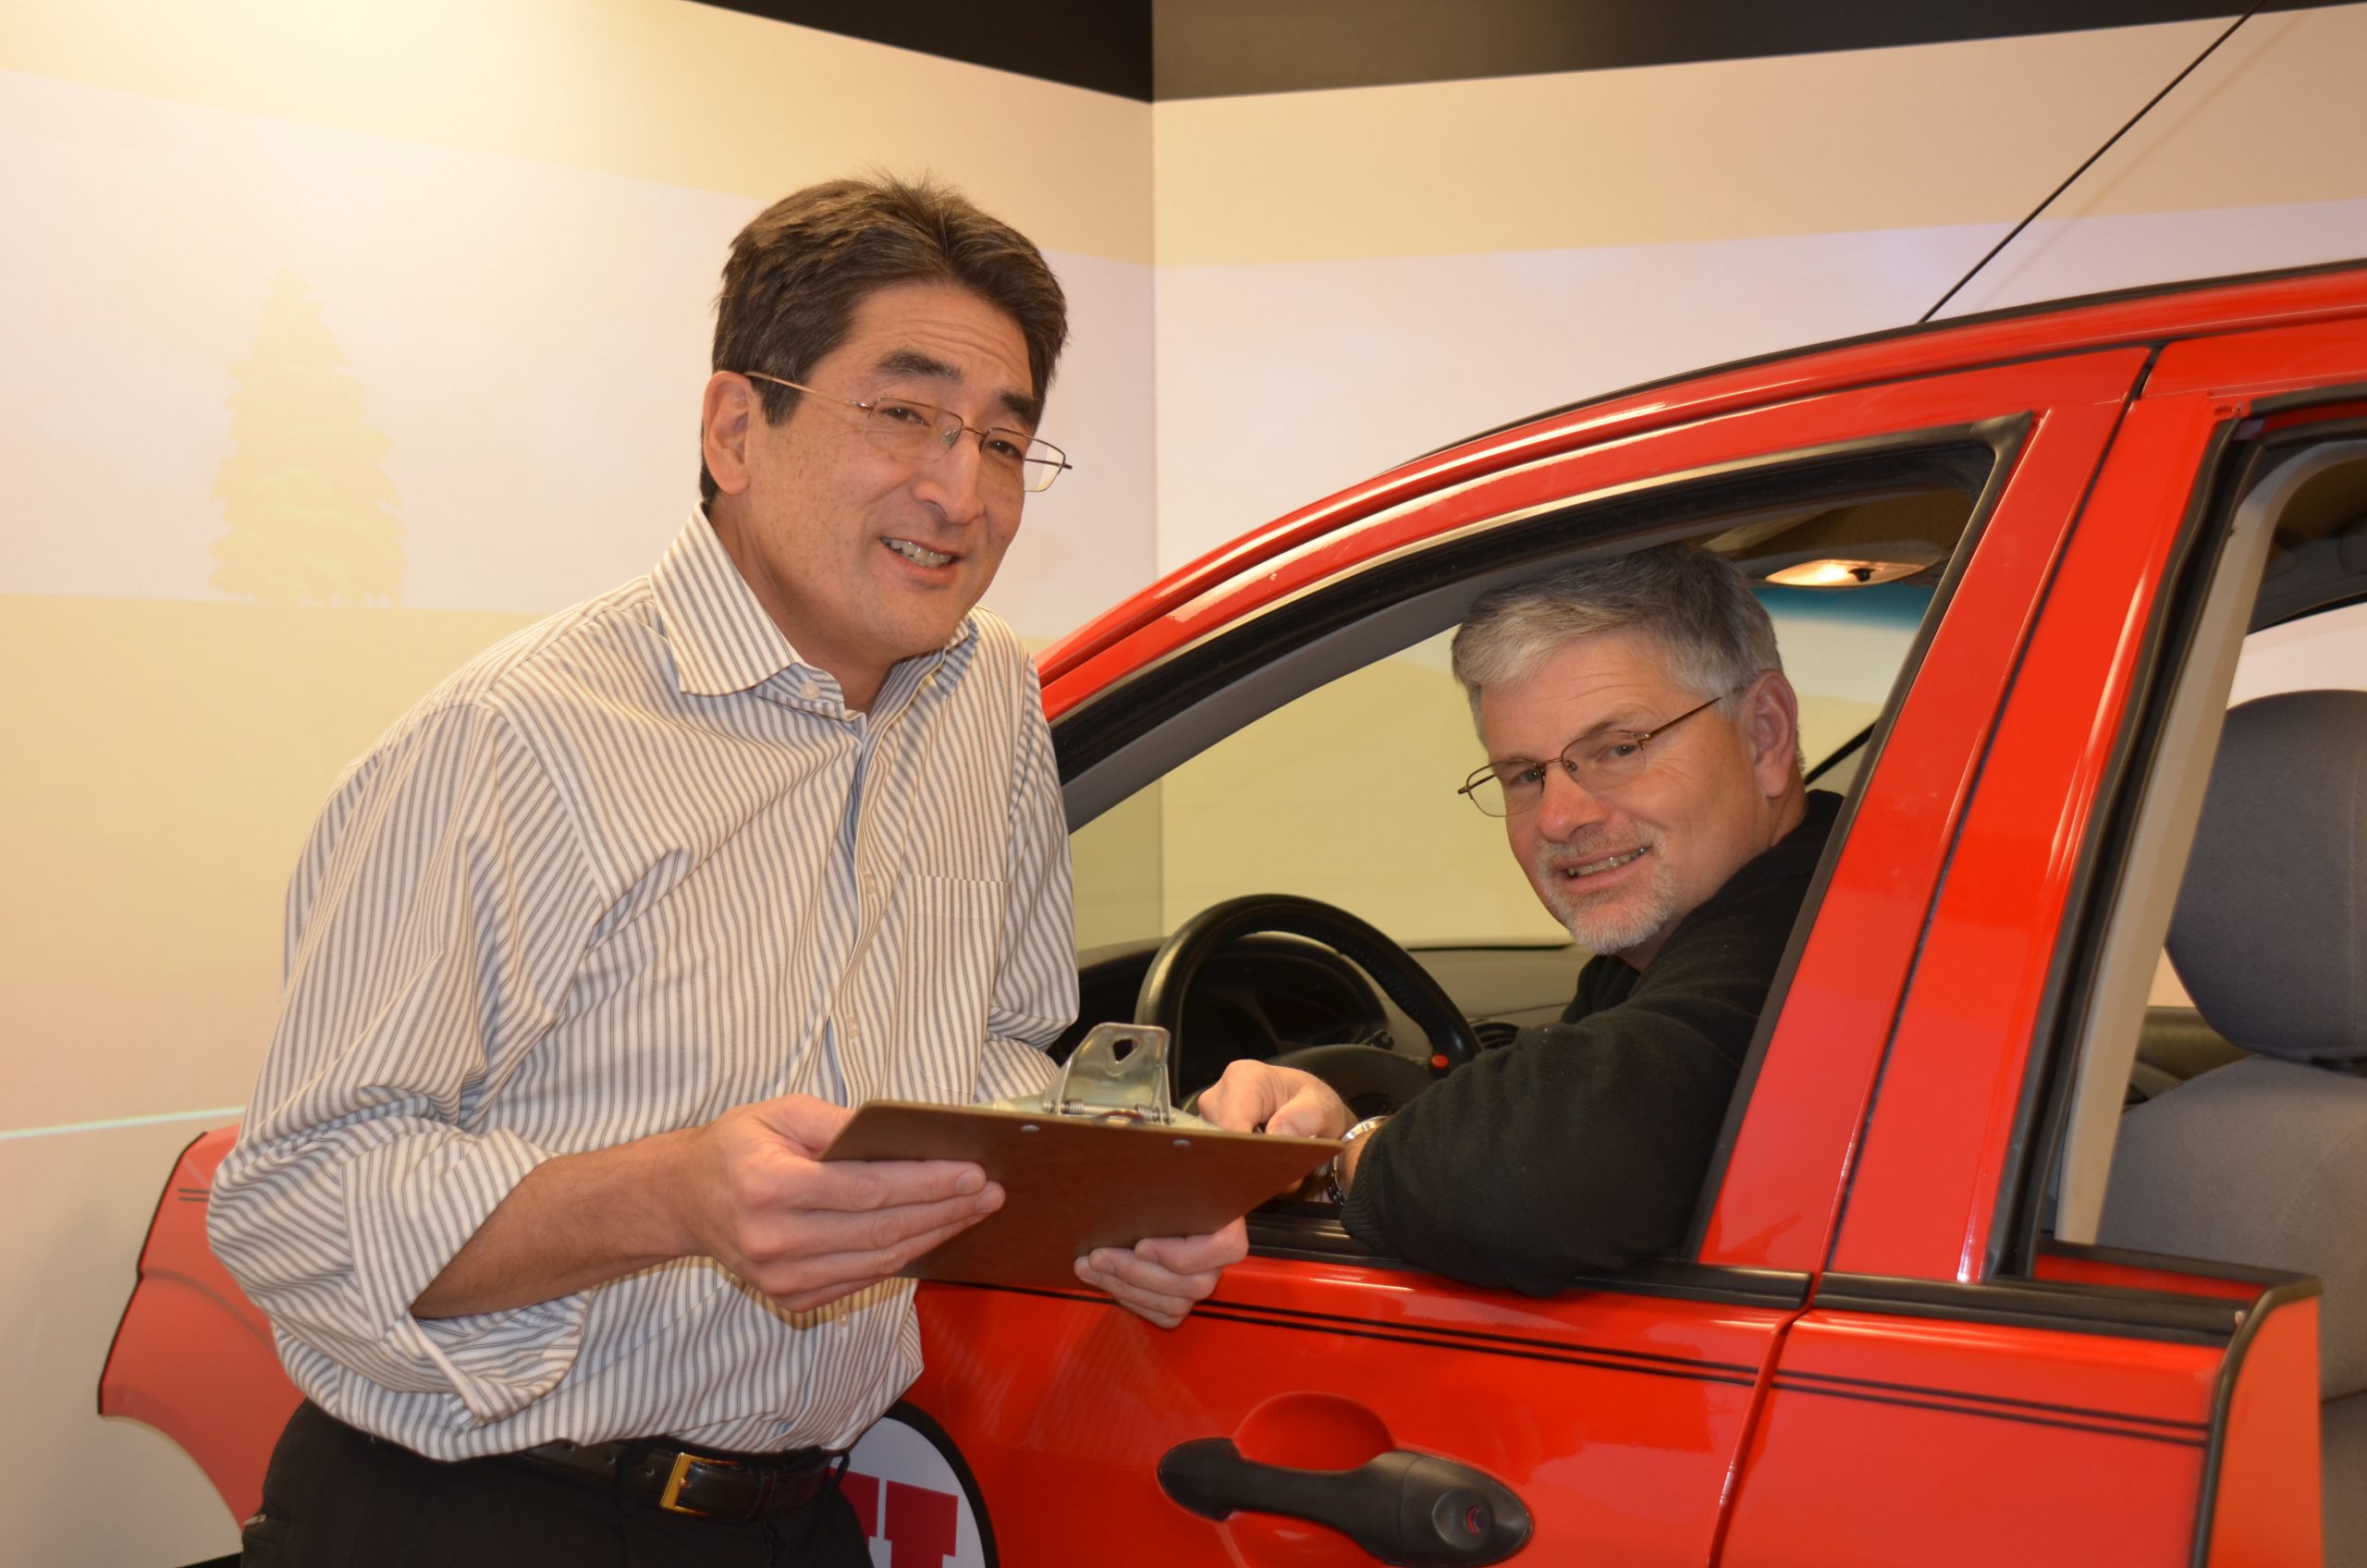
pixel 1613 925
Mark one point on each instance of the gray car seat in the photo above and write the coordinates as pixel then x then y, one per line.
pixel 2264 1161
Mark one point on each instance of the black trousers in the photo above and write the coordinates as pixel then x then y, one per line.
pixel 337 1498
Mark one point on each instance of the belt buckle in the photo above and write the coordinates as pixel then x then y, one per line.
pixel 670 1498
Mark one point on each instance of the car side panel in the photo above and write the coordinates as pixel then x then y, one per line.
pixel 1890 1440
pixel 2265 1498
pixel 1611 1416
pixel 1624 1458
pixel 1927 1198
pixel 2261 364
pixel 193 1357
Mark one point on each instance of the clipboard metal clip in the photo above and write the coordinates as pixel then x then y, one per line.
pixel 1117 1072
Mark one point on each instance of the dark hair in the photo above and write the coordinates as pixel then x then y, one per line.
pixel 799 270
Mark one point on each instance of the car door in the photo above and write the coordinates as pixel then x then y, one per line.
pixel 1972 1382
pixel 1612 1414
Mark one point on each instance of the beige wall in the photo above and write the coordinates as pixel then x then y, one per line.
pixel 452 265
pixel 1347 279
pixel 454 261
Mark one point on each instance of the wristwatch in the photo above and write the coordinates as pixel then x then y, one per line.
pixel 1334 1187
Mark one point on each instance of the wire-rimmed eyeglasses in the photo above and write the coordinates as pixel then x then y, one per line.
pixel 1598 762
pixel 909 426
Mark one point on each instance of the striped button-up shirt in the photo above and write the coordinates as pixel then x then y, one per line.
pixel 631 867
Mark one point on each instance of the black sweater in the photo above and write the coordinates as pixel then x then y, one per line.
pixel 1581 1146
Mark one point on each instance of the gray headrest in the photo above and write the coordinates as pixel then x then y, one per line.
pixel 2270 935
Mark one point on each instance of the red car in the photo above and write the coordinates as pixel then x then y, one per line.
pixel 2013 561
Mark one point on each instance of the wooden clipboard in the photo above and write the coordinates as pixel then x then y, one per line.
pixel 1071 1183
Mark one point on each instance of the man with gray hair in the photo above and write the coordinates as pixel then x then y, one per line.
pixel 1643 753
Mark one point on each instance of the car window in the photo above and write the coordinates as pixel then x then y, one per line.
pixel 2290 557
pixel 1347 795
pixel 2316 652
pixel 1312 748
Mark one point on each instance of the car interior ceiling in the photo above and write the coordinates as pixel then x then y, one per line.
pixel 2318 556
pixel 1917 527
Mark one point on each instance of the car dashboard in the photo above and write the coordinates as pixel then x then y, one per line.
pixel 1271 992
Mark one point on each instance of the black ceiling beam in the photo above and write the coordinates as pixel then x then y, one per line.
pixel 1220 48
pixel 1169 49
pixel 1101 44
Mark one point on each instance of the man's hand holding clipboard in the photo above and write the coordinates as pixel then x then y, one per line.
pixel 1102 1166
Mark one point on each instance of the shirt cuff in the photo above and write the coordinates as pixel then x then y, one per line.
pixel 498 1362
pixel 412 1205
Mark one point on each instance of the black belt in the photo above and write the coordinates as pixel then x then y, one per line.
pixel 681 1480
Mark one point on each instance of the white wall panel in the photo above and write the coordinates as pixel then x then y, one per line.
pixel 2089 255
pixel 529 340
pixel 1279 382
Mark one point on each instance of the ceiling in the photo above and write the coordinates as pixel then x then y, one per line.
pixel 1156 50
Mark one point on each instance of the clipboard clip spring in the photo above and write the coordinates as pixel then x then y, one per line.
pixel 1117 1072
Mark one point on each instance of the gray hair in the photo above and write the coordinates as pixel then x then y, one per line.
pixel 1696 604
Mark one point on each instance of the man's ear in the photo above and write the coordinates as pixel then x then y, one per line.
pixel 727 413
pixel 1771 716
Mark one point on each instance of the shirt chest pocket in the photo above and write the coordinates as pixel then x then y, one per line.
pixel 948 938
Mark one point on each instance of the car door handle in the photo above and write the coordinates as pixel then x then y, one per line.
pixel 1406 1507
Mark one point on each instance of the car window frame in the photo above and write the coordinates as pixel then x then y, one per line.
pixel 1310 638
pixel 1111 744
pixel 2243 458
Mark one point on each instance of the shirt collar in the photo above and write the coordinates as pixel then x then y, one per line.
pixel 722 640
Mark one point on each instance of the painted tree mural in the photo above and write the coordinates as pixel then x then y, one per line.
pixel 308 512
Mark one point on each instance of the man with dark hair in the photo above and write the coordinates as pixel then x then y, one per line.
pixel 797 272
pixel 1643 753
pixel 589 956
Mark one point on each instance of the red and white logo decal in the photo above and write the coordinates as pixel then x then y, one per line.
pixel 911 1502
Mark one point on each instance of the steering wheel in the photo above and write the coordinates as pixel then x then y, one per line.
pixel 1359 1074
